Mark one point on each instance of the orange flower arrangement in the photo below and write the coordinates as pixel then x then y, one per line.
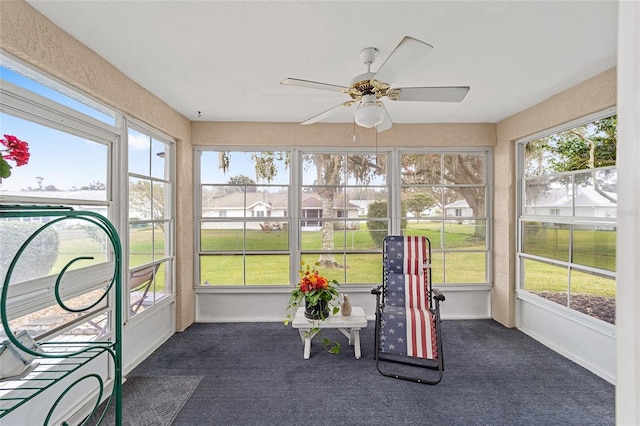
pixel 312 289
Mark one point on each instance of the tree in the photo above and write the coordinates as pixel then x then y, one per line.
pixel 331 170
pixel 147 200
pixel 418 202
pixel 247 183
pixel 585 147
pixel 465 171
pixel 378 229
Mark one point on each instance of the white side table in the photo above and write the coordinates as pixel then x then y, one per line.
pixel 348 325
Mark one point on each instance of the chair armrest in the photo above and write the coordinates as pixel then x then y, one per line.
pixel 437 295
pixel 377 291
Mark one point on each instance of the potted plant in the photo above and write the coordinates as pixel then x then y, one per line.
pixel 319 297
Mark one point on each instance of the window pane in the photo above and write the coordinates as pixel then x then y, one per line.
pixel 222 236
pixel 546 239
pixel 437 267
pixel 324 169
pixel 331 266
pixel 465 234
pixel 52 249
pixel 595 246
pixel 360 239
pixel 53 155
pixel 432 229
pixel 253 167
pixel 160 192
pixel 162 282
pixel 596 193
pixel 273 236
pixel 549 196
pixel 465 267
pixel 546 280
pixel 463 168
pixel 419 202
pixel 363 269
pixel 158 159
pixel 140 199
pixel 421 169
pixel 465 202
pixel 310 239
pixel 54 317
pixel 593 295
pixel 366 169
pixel 53 91
pixel 222 270
pixel 139 153
pixel 267 270
pixel 140 244
pixel 159 241
pixel 142 288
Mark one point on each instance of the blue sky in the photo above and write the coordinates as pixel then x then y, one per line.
pixel 62 159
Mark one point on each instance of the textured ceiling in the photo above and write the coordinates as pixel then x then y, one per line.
pixel 226 58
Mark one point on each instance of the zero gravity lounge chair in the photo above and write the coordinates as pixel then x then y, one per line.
pixel 408 342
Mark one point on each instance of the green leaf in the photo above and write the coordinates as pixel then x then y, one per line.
pixel 5 169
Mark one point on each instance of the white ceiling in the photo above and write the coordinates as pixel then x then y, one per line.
pixel 226 58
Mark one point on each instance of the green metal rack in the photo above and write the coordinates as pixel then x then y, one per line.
pixel 59 360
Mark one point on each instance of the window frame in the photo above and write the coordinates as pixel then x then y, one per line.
pixel 169 219
pixel 300 217
pixel 570 221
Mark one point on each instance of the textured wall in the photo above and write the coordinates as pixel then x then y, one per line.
pixel 591 96
pixel 32 38
pixel 341 135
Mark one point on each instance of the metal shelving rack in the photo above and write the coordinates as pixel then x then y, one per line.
pixel 59 360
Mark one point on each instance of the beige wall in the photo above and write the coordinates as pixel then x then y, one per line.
pixel 342 135
pixel 591 96
pixel 32 38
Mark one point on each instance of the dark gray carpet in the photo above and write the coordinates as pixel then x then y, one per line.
pixel 255 374
pixel 148 401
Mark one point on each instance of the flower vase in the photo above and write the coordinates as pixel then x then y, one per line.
pixel 318 311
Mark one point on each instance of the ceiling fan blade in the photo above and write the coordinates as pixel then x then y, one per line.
pixel 386 123
pixel 429 94
pixel 328 112
pixel 313 85
pixel 408 51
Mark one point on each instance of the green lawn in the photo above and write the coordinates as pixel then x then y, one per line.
pixel 595 248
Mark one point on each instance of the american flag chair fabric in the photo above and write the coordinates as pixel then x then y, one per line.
pixel 408 310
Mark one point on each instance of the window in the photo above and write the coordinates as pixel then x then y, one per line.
pixel 344 206
pixel 151 217
pixel 72 153
pixel 333 186
pixel 444 196
pixel 567 219
pixel 249 243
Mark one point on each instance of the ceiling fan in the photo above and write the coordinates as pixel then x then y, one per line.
pixel 367 89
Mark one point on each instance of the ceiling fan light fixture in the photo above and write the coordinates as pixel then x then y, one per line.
pixel 369 114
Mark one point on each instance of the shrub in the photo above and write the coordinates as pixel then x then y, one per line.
pixel 37 259
pixel 378 229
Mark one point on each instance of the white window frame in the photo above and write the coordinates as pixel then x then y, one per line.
pixel 572 220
